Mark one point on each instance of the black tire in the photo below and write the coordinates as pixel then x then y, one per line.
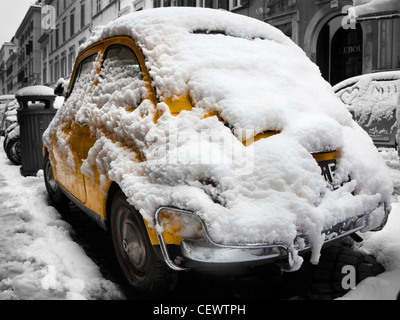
pixel 56 195
pixel 329 275
pixel 5 142
pixel 12 147
pixel 143 269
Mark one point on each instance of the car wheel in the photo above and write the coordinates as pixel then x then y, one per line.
pixel 56 195
pixel 144 270
pixel 12 148
pixel 5 142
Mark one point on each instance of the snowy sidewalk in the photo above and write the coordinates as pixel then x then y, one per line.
pixel 38 258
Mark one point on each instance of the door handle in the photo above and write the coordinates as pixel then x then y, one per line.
pixel 81 122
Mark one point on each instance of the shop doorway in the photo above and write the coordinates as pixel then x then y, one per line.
pixel 339 51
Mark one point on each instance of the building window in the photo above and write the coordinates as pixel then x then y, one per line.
pixel 396 44
pixel 71 60
pixel 223 4
pixel 388 44
pixel 174 3
pixel 72 23
pixel 137 6
pixel 235 3
pixel 56 70
pixel 63 66
pixel 51 71
pixel 82 15
pixel 57 36
pixel 64 31
pixel 44 74
pixel 215 4
pixel 98 6
pixel 185 3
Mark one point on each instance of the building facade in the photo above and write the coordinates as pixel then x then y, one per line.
pixel 52 31
pixel 27 37
pixel 12 73
pixel 65 26
pixel 70 23
pixel 104 11
pixel 7 50
pixel 381 40
pixel 74 20
pixel 340 46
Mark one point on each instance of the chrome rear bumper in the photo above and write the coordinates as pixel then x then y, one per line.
pixel 206 251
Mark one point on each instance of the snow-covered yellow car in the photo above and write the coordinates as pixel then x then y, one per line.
pixel 201 138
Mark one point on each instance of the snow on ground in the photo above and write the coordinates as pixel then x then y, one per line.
pixel 39 259
pixel 385 245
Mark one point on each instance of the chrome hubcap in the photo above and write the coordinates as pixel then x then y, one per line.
pixel 133 246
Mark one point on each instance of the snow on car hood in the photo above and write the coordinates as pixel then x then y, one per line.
pixel 256 79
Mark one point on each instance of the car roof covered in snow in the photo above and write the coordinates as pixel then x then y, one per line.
pixel 143 24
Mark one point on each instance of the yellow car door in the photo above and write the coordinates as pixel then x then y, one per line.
pixel 122 81
pixel 73 141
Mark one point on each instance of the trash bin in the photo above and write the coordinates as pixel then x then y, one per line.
pixel 36 110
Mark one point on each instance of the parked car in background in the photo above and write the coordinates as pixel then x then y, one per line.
pixel 4 99
pixel 11 143
pixel 374 102
pixel 205 139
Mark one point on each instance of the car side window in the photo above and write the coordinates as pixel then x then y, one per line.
pixel 120 80
pixel 83 72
